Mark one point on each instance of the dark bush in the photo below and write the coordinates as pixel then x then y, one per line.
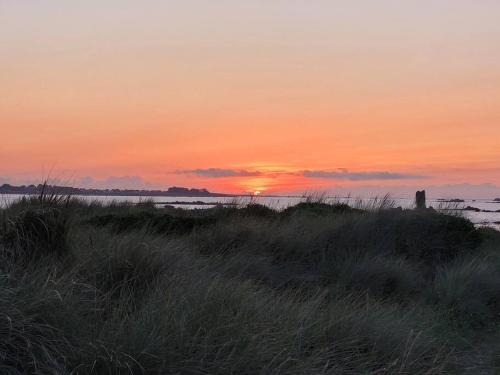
pixel 319 209
pixel 420 236
pixel 257 210
pixel 432 237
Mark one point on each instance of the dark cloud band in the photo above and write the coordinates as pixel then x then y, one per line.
pixel 220 172
pixel 340 174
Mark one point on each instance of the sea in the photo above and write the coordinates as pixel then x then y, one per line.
pixel 487 211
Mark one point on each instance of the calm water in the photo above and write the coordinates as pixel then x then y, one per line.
pixel 479 218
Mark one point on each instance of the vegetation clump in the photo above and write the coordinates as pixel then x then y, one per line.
pixel 36 232
pixel 319 209
pixel 319 288
pixel 150 221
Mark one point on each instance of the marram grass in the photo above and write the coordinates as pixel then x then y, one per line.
pixel 315 289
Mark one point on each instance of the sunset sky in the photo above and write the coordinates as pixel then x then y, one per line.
pixel 269 96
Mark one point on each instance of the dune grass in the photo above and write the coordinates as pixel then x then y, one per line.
pixel 319 288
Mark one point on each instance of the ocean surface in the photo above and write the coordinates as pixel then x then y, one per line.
pixel 491 219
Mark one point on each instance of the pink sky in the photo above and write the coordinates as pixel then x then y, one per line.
pixel 245 96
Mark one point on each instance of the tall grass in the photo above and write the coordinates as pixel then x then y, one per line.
pixel 317 289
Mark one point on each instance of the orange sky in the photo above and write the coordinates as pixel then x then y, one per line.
pixel 271 96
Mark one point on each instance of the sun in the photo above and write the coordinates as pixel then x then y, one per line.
pixel 257 192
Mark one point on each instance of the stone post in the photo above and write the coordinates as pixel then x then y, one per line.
pixel 420 199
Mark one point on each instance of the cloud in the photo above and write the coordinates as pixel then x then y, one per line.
pixel 220 172
pixel 339 174
pixel 343 174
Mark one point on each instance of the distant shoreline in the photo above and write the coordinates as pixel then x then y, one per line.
pixel 68 190
pixel 171 192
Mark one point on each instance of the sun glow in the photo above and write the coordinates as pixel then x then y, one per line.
pixel 243 96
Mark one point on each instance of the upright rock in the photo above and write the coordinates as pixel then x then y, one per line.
pixel 420 199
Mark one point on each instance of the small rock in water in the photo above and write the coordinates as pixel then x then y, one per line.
pixel 470 208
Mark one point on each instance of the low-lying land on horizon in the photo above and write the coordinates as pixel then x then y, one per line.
pixel 316 288
pixel 174 191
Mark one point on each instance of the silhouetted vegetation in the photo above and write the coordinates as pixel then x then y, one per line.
pixel 316 288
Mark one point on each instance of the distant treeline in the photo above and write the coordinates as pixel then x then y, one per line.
pixel 68 190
